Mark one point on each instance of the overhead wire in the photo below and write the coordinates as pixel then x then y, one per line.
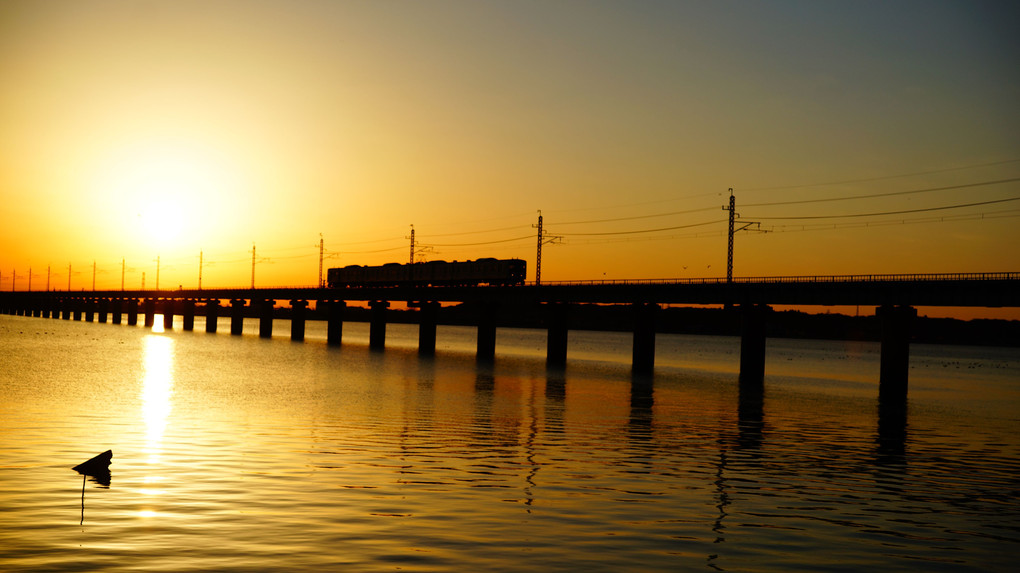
pixel 890 194
pixel 883 213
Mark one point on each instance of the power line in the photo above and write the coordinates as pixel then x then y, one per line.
pixel 890 194
pixel 960 206
pixel 482 243
pixel 638 217
pixel 644 230
pixel 883 178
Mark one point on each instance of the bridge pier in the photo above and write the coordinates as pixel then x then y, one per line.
pixel 377 326
pixel 895 361
pixel 115 310
pixel 335 321
pixel 150 312
pixel 266 318
pixel 486 350
pixel 104 308
pixel 427 318
pixel 556 339
pixel 76 305
pixel 643 351
pixel 168 314
pixel 188 314
pixel 132 312
pixel 753 324
pixel 237 316
pixel 297 319
pixel 212 314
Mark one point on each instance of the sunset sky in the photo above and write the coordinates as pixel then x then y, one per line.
pixel 131 130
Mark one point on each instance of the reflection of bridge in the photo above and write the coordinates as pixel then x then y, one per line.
pixel 895 295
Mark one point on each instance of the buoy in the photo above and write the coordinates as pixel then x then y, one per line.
pixel 97 465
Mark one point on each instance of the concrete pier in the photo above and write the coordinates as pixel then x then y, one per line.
pixel 116 309
pixel 150 312
pixel 335 321
pixel 753 323
pixel 377 326
pixel 297 319
pixel 266 318
pixel 643 351
pixel 556 341
pixel 897 322
pixel 188 314
pixel 212 314
pixel 486 332
pixel 427 312
pixel 168 314
pixel 132 311
pixel 237 316
pixel 104 307
pixel 90 310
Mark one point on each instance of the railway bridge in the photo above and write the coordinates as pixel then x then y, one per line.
pixel 895 296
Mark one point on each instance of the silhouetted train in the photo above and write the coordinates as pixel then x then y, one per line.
pixel 438 273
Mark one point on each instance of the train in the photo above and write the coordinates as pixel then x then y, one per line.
pixel 488 271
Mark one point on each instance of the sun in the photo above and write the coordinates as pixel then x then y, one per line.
pixel 171 191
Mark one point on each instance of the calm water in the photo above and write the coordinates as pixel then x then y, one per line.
pixel 237 453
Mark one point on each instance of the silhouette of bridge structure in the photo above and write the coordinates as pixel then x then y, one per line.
pixel 895 296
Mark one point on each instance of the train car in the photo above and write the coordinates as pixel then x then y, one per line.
pixel 486 271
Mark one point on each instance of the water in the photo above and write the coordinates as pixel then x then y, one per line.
pixel 238 453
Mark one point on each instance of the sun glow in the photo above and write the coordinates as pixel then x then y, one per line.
pixel 172 192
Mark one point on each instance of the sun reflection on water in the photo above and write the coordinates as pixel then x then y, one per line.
pixel 157 390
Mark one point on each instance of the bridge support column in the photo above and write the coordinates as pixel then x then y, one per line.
pixel 212 314
pixel 77 306
pixel 237 316
pixel 132 312
pixel 150 312
pixel 104 308
pixel 427 316
pixel 297 319
pixel 266 318
pixel 486 347
pixel 377 326
pixel 335 321
pixel 115 310
pixel 188 314
pixel 90 310
pixel 753 324
pixel 556 341
pixel 643 352
pixel 168 314
pixel 895 361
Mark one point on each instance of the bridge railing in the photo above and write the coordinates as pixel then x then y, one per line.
pixel 916 277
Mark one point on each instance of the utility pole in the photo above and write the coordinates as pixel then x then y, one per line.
pixel 93 275
pixel 729 249
pixel 143 280
pixel 253 265
pixel 321 251
pixel 543 239
pixel 47 278
pixel 538 256
pixel 14 278
pixel 412 244
pixel 30 279
pixel 733 230
pixel 122 274
pixel 200 270
pixel 68 277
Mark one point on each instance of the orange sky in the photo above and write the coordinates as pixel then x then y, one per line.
pixel 131 130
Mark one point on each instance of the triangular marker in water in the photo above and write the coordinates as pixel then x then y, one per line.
pixel 96 466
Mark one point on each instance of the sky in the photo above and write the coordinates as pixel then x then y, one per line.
pixel 862 137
